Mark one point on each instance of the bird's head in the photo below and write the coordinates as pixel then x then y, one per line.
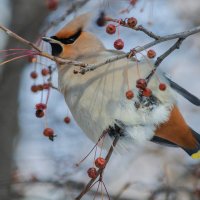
pixel 73 42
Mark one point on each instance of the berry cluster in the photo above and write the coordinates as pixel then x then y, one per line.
pixel 34 75
pixel 141 84
pixel 40 87
pixel 99 163
pixel 41 107
pixel 111 29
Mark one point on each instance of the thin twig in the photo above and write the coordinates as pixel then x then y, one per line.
pixel 14 35
pixel 39 51
pixel 100 171
pixel 147 32
pixel 168 52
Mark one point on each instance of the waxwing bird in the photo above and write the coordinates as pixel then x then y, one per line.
pixel 98 102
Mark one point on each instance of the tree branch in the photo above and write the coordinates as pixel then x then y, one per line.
pixel 84 67
pixel 181 35
pixel 168 52
pixel 14 35
pixel 39 51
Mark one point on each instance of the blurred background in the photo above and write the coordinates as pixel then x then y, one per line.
pixel 35 168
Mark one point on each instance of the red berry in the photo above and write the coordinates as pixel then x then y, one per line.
pixel 39 113
pixel 52 4
pixel 110 28
pixel 100 162
pixel 151 53
pixel 132 22
pixel 92 172
pixel 162 86
pixel 129 94
pixel 34 88
pixel 44 72
pixel 40 106
pixel 119 44
pixel 141 84
pixel 133 2
pixel 48 132
pixel 46 86
pixel 67 120
pixel 147 92
pixel 34 75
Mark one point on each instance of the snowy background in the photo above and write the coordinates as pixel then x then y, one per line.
pixel 145 168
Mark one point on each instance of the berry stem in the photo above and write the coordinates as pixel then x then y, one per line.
pixel 102 135
pixel 97 190
pixel 106 190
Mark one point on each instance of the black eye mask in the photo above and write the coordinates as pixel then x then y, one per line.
pixel 56 49
pixel 70 39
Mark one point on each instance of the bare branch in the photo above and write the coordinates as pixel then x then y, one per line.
pixel 168 52
pixel 181 35
pixel 87 67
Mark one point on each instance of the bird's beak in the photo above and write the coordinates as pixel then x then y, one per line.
pixel 51 40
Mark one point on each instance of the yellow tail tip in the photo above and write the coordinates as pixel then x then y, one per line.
pixel 196 155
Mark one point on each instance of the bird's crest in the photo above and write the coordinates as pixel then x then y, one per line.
pixel 78 23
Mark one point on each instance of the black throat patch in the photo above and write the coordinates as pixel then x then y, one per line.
pixel 56 49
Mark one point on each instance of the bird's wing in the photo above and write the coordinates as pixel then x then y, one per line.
pixel 183 92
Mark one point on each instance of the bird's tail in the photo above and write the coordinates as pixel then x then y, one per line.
pixel 194 153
